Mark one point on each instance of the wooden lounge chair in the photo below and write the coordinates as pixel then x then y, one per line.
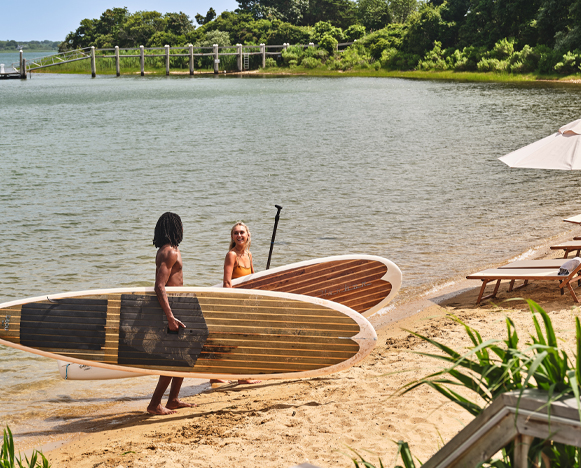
pixel 545 263
pixel 525 274
pixel 568 246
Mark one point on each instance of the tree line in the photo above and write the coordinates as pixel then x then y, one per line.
pixel 482 35
pixel 13 46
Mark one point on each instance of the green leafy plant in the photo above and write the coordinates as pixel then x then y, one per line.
pixel 492 367
pixel 9 460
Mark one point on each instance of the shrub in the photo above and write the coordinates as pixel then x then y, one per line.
pixel 310 62
pixel 524 61
pixel 292 53
pixel 376 65
pixel 328 43
pixel 569 63
pixel 354 32
pixel 270 62
pixel 492 65
pixel 323 28
pixel 503 49
pixel 333 64
pixel 292 64
pixel 548 58
pixel 387 57
pixel 434 59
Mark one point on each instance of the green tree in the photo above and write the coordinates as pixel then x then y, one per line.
pixel 374 14
pixel 210 15
pixel 424 28
pixel 552 18
pixel 400 10
pixel 140 27
pixel 178 24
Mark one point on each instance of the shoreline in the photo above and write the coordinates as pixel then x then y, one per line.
pixel 464 77
pixel 127 433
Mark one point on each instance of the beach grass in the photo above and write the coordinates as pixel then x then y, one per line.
pixel 8 459
pixel 156 66
pixel 493 367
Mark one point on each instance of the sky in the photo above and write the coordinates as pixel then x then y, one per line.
pixel 38 20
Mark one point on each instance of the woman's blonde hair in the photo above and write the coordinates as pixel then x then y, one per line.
pixel 232 243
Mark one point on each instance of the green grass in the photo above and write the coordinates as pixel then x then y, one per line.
pixel 156 66
pixel 9 460
pixel 425 75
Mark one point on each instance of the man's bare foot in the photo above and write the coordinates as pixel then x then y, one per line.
pixel 248 381
pixel 159 409
pixel 178 404
pixel 218 382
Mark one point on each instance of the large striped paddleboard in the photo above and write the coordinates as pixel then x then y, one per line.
pixel 365 283
pixel 229 334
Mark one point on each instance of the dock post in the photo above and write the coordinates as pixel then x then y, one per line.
pixel 191 47
pixel 216 60
pixel 23 69
pixel 117 65
pixel 21 58
pixel 285 45
pixel 166 60
pixel 311 44
pixel 93 64
pixel 263 52
pixel 142 60
pixel 239 56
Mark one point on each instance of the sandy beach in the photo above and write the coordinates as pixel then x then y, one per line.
pixel 283 423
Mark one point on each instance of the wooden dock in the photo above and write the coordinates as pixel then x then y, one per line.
pixel 9 72
pixel 189 52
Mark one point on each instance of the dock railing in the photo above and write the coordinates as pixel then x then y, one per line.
pixel 188 52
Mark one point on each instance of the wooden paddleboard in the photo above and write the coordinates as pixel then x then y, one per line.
pixel 230 334
pixel 364 283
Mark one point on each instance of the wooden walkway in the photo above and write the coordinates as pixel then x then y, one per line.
pixel 241 52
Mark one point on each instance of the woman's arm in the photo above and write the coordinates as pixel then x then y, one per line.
pixel 251 264
pixel 228 268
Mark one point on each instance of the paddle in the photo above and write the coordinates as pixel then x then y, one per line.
pixel 278 208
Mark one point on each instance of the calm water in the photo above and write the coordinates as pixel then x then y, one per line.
pixel 407 170
pixel 8 58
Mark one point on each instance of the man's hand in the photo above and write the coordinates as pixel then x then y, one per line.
pixel 174 324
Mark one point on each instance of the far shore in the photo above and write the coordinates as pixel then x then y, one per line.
pixel 284 423
pixel 322 72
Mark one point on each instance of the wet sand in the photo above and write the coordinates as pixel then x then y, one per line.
pixel 283 423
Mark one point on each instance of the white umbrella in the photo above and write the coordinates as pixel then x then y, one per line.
pixel 561 150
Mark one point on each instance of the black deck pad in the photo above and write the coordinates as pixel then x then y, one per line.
pixel 143 332
pixel 65 324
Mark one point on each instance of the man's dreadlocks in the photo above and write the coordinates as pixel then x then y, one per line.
pixel 168 230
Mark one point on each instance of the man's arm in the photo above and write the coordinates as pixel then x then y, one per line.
pixel 165 264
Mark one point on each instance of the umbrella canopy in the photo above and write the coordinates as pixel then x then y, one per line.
pixel 561 150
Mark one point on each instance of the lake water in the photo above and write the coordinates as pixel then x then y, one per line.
pixel 8 58
pixel 403 169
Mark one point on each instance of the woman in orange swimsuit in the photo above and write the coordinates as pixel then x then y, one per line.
pixel 238 263
pixel 238 260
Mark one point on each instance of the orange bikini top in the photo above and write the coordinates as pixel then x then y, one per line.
pixel 239 270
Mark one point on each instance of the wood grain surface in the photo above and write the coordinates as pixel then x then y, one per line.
pixel 358 283
pixel 228 332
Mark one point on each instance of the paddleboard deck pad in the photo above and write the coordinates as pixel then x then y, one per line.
pixel 229 334
pixel 364 283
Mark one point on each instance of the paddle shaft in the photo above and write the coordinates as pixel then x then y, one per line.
pixel 276 218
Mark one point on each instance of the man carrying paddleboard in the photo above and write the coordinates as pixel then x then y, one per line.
pixel 169 233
